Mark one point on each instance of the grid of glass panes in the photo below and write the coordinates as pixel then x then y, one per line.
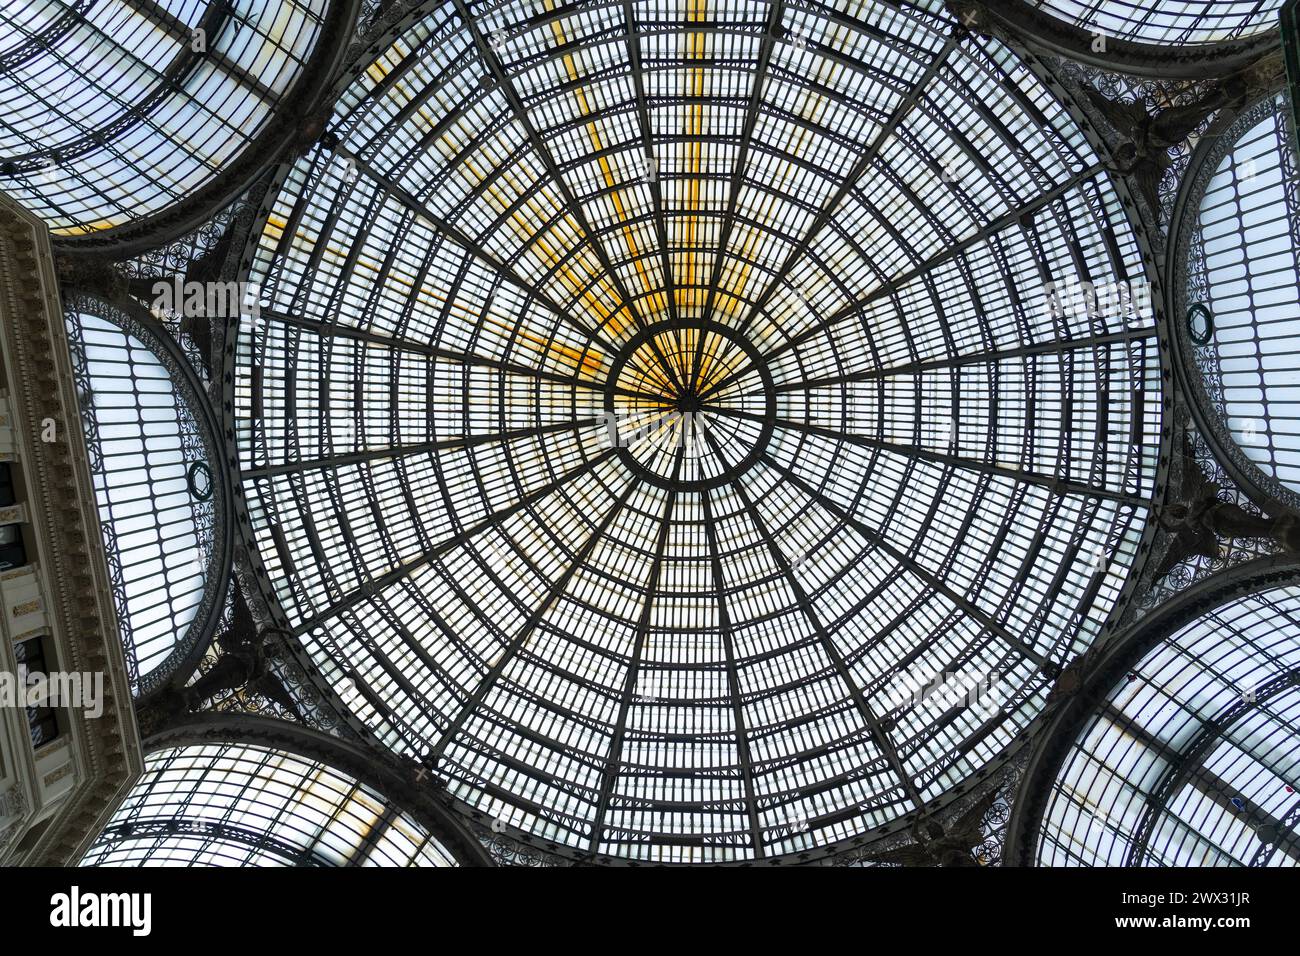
pixel 687 676
pixel 1191 750
pixel 233 804
pixel 115 109
pixel 158 548
pixel 1168 21
pixel 1246 265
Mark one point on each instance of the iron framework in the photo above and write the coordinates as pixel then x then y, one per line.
pixel 244 791
pixel 1181 750
pixel 505 202
pixel 1234 266
pixel 130 121
pixel 164 493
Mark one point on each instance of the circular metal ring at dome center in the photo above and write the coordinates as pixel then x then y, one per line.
pixel 690 406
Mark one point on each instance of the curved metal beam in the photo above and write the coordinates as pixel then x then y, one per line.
pixel 305 99
pixel 180 665
pixel 1050 34
pixel 1262 489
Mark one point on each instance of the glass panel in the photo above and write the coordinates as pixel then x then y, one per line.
pixel 115 109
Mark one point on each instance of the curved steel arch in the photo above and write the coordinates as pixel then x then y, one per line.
pixel 134 320
pixel 1060 733
pixel 1154 60
pixel 293 112
pixel 180 826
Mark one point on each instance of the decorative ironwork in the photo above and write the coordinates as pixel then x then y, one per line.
pixel 1194 285
pixel 209 514
pixel 1196 467
pixel 1185 727
pixel 1153 95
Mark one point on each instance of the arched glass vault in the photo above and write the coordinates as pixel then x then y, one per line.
pixel 163 493
pixel 1161 41
pixel 119 110
pixel 643 394
pixel 266 797
pixel 1168 22
pixel 1236 267
pixel 1186 753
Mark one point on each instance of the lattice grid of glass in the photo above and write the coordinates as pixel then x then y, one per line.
pixel 832 237
pixel 1193 759
pixel 1168 21
pixel 1244 294
pixel 155 521
pixel 116 109
pixel 235 804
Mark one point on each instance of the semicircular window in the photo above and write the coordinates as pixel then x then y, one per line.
pixel 115 109
pixel 1193 759
pixel 232 804
pixel 1168 21
pixel 1241 246
pixel 636 412
pixel 155 493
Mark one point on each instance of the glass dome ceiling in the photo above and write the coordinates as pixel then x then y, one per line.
pixel 641 391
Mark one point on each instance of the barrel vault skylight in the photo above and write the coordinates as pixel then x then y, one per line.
pixel 1192 760
pixel 116 109
pixel 1242 292
pixel 226 804
pixel 151 465
pixel 1168 22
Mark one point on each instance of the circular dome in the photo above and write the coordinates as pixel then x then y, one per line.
pixel 530 248
pixel 1192 759
pixel 204 80
pixel 241 804
pixel 1239 256
pixel 1166 22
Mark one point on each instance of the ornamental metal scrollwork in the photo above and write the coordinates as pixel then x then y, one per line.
pixel 1193 310
pixel 199 469
pixel 211 512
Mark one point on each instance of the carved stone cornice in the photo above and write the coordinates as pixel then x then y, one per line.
pixel 65 521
